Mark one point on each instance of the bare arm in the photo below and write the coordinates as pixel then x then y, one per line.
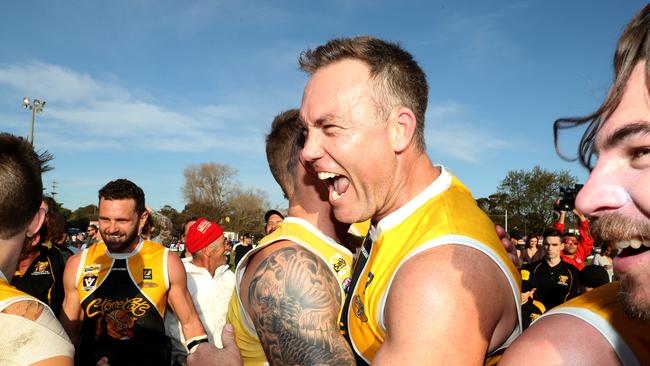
pixel 456 312
pixel 180 300
pixel 560 340
pixel 71 313
pixel 294 301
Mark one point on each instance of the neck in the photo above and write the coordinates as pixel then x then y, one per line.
pixel 553 261
pixel 569 255
pixel 202 261
pixel 413 175
pixel 10 253
pixel 325 223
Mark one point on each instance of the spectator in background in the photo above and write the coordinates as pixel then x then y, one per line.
pixel 57 235
pixel 209 282
pixel 549 282
pixel 577 249
pixel 591 277
pixel 272 218
pixel 605 259
pixel 93 235
pixel 240 249
pixel 533 251
pixel 40 271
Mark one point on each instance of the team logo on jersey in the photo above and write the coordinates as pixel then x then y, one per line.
pixel 525 275
pixel 119 324
pixel 338 263
pixel 147 274
pixel 93 268
pixel 359 309
pixel 41 268
pixel 89 282
pixel 563 280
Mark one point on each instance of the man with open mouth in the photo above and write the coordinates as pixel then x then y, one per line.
pixel 432 270
pixel 611 324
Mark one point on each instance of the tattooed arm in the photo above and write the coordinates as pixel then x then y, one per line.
pixel 294 300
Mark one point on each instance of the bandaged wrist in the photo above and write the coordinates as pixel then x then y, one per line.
pixel 193 343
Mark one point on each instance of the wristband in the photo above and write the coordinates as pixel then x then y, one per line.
pixel 193 343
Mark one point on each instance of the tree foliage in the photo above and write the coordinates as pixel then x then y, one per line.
pixel 208 184
pixel 80 217
pixel 528 196
pixel 211 192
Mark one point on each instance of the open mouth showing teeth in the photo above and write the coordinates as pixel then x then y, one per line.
pixel 337 184
pixel 632 247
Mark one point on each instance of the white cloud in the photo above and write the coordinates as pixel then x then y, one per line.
pixel 103 111
pixel 448 132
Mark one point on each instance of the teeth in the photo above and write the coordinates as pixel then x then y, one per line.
pixel 623 244
pixel 325 175
pixel 336 195
pixel 636 244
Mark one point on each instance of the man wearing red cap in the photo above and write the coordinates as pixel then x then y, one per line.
pixel 206 270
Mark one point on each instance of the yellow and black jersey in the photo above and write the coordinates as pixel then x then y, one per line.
pixel 600 307
pixel 553 286
pixel 444 213
pixel 123 297
pixel 43 279
pixel 301 232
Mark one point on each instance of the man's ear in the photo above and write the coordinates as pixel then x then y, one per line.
pixel 143 220
pixel 402 128
pixel 36 223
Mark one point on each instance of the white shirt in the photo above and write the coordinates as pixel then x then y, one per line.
pixel 211 296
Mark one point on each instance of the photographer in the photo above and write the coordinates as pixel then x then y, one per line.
pixel 577 249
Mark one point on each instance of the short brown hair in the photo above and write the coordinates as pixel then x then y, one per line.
pixel 20 179
pixel 398 80
pixel 122 189
pixel 283 144
pixel 633 46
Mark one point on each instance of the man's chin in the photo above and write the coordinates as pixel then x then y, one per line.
pixel 635 300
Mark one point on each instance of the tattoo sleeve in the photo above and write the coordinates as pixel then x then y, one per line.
pixel 295 300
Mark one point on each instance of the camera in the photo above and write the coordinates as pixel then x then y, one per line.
pixel 567 198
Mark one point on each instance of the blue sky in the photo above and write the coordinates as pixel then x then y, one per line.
pixel 141 89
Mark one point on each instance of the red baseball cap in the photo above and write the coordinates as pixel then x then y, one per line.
pixel 201 234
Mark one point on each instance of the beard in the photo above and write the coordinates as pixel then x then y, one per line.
pixel 635 307
pixel 120 245
pixel 612 228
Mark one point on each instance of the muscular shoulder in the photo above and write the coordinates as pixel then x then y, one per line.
pixel 560 340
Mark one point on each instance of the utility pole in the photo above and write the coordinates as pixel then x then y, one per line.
pixel 53 192
pixel 36 106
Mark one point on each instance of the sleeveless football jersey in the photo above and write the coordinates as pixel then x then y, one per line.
pixel 123 297
pixel 444 213
pixel 600 307
pixel 301 232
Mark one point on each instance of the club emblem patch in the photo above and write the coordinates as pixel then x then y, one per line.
pixel 147 274
pixel 89 282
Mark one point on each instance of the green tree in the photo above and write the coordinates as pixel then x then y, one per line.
pixel 528 196
pixel 80 217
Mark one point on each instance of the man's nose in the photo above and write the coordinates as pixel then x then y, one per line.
pixel 603 192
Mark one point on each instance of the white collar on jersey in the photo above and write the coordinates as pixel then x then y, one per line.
pixel 2 275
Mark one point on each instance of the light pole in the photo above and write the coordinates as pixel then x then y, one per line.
pixel 36 106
